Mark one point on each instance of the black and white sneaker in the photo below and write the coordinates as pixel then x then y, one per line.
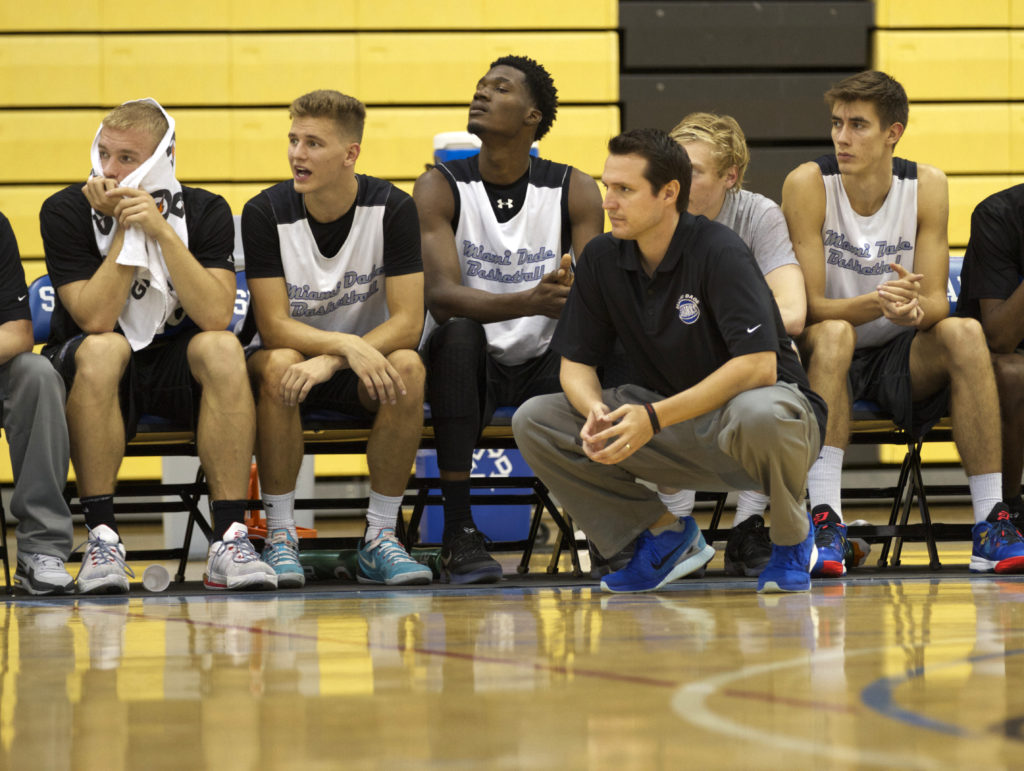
pixel 748 549
pixel 464 559
pixel 43 574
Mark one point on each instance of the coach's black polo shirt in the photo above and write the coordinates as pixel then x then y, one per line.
pixel 706 303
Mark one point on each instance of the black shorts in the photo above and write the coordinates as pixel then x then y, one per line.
pixel 882 375
pixel 339 394
pixel 511 385
pixel 157 380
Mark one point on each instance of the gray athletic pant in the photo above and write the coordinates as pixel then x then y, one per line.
pixel 32 395
pixel 763 439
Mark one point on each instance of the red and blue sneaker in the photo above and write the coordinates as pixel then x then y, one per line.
pixel 830 538
pixel 998 545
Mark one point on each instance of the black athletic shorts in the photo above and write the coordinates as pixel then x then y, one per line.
pixel 157 380
pixel 882 375
pixel 339 394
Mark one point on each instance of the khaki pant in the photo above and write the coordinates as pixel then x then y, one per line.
pixel 763 439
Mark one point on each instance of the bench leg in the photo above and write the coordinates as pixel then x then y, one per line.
pixel 195 517
pixel 897 504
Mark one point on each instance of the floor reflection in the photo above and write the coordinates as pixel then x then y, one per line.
pixel 916 673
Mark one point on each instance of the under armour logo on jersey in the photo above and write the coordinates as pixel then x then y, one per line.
pixel 504 203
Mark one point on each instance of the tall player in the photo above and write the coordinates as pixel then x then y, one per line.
pixel 334 267
pixel 869 230
pixel 498 233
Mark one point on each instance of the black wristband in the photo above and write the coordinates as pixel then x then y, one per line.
pixel 655 423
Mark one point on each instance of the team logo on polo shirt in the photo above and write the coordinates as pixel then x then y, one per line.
pixel 688 308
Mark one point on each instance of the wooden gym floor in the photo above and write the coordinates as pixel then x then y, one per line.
pixel 895 668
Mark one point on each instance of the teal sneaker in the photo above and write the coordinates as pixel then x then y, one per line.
pixel 281 552
pixel 385 561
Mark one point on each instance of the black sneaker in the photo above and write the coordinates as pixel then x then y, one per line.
pixel 464 559
pixel 748 549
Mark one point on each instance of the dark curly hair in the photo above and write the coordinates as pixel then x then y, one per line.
pixel 541 86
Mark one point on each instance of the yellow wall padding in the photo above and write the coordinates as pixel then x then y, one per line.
pixel 235 145
pixel 273 69
pixel 95 15
pixel 960 138
pixel 947 65
pixel 945 13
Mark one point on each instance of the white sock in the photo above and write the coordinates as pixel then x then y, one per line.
pixel 679 503
pixel 382 513
pixel 749 503
pixel 825 480
pixel 986 492
pixel 280 512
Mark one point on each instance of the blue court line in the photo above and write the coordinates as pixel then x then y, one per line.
pixel 879 696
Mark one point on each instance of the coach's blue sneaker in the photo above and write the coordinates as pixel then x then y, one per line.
pixel 789 569
pixel 659 559
pixel 998 545
pixel 281 552
pixel 385 561
pixel 830 538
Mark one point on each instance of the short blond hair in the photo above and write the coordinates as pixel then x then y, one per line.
pixel 346 111
pixel 723 134
pixel 140 114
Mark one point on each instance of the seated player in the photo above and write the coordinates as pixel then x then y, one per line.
pixel 145 289
pixel 336 280
pixel 869 230
pixel 991 291
pixel 719 156
pixel 498 231
pixel 32 412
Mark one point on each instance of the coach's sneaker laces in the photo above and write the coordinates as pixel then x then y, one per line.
pixel 998 545
pixel 385 561
pixel 43 574
pixel 789 569
pixel 749 548
pixel 830 538
pixel 233 563
pixel 465 560
pixel 659 559
pixel 281 552
pixel 103 567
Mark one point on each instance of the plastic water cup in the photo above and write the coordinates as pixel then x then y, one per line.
pixel 156 578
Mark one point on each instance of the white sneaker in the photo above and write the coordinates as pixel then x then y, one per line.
pixel 234 564
pixel 43 574
pixel 103 568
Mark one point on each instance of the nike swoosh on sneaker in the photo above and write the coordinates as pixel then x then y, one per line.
pixel 671 555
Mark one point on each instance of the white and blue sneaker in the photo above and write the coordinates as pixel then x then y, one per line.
pixel 281 552
pixel 658 559
pixel 789 568
pixel 385 561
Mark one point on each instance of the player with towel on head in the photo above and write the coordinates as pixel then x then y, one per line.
pixel 145 290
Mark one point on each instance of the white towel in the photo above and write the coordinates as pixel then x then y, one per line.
pixel 152 299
